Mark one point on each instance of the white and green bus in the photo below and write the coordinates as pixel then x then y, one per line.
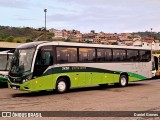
pixel 44 65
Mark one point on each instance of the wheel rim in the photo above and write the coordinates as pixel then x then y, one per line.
pixel 61 86
pixel 123 81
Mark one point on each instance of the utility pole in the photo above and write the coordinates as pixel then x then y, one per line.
pixel 45 11
pixel 151 32
pixel 151 38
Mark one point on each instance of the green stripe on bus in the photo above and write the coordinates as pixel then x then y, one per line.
pixel 77 79
pixel 68 69
pixel 3 79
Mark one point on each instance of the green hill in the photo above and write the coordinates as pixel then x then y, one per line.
pixel 155 35
pixel 27 34
pixel 21 35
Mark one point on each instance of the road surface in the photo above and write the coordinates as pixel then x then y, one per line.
pixel 137 96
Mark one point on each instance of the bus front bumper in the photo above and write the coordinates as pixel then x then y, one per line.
pixel 23 87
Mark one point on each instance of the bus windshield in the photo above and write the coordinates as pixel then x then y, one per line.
pixel 5 61
pixel 22 60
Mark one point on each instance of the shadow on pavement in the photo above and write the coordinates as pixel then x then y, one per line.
pixel 82 89
pixel 3 85
pixel 155 78
pixel 33 94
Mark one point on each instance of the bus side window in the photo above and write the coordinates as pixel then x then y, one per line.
pixel 48 59
pixel 145 56
pixel 44 58
pixel 38 59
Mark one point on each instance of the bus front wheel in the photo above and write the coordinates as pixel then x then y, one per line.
pixel 123 81
pixel 61 85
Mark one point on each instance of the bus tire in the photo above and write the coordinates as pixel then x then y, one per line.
pixel 61 86
pixel 123 81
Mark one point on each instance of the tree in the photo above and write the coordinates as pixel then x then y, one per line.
pixel 129 37
pixel 29 40
pixel 2 36
pixel 10 39
pixel 18 41
pixel 1 39
pixel 49 38
pixel 115 43
pixel 67 40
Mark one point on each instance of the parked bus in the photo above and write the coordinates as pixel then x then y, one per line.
pixel 5 58
pixel 41 65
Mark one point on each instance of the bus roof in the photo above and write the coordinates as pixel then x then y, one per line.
pixel 6 52
pixel 31 44
pixel 44 43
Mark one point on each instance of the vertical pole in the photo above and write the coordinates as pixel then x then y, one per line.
pixel 151 38
pixel 45 11
pixel 151 32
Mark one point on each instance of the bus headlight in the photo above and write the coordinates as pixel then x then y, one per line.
pixel 23 81
pixel 27 79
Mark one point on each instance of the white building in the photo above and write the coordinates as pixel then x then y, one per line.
pixel 137 43
pixel 58 34
pixel 52 30
pixel 153 44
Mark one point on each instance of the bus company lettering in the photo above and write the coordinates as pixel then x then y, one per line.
pixel 65 68
pixel 24 114
pixel 78 67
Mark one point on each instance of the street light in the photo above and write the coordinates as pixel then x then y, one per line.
pixel 151 32
pixel 151 38
pixel 45 11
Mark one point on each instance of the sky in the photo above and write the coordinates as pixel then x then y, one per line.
pixel 110 16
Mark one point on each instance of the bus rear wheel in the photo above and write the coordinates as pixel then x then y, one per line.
pixel 61 86
pixel 123 81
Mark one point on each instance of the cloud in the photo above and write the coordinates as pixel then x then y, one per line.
pixel 110 15
pixel 24 19
pixel 85 15
pixel 22 4
pixel 60 17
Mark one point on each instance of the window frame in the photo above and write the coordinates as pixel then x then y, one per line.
pixel 148 60
pixel 120 60
pixel 105 56
pixel 87 61
pixel 96 56
pixel 65 47
pixel 138 55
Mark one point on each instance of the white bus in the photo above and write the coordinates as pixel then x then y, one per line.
pixel 62 65
pixel 5 58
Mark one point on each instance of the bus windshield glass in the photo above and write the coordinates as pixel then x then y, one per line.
pixel 22 60
pixel 5 61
